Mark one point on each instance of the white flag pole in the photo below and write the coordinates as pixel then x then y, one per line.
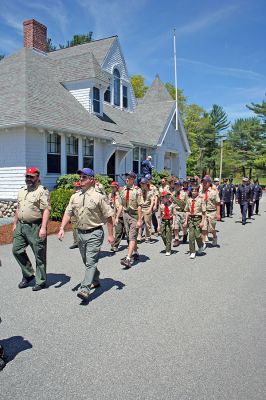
pixel 176 104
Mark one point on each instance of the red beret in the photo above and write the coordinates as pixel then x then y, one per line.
pixel 165 194
pixel 114 184
pixel 32 171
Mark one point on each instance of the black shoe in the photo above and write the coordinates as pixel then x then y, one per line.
pixel 73 246
pixel 38 287
pixel 25 282
pixel 83 295
pixel 127 263
pixel 135 256
pixel 184 239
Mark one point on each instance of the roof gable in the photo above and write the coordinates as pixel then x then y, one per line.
pixel 157 92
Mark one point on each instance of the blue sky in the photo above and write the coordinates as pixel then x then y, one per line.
pixel 221 55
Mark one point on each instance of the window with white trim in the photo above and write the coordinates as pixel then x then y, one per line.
pixel 116 74
pixel 96 100
pixel 107 95
pixel 125 97
pixel 53 153
pixel 72 154
pixel 139 155
pixel 88 152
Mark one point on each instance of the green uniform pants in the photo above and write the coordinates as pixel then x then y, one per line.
pixel 194 233
pixel 166 233
pixel 89 246
pixel 28 234
pixel 119 231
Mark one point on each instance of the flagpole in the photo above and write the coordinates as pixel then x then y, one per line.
pixel 176 104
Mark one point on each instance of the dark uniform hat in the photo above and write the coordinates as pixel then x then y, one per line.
pixel 144 180
pixel 131 174
pixel 86 171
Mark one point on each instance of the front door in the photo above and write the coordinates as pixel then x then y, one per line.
pixel 111 167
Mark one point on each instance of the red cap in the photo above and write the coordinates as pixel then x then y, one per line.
pixel 76 184
pixel 114 184
pixel 32 171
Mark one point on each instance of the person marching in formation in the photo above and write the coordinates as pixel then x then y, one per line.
pixel 244 197
pixel 131 203
pixel 212 201
pixel 257 195
pixel 166 216
pixel 30 228
pixel 91 210
pixel 147 209
pixel 195 217
pixel 179 198
pixel 115 201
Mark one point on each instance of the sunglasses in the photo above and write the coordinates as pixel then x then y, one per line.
pixel 30 176
pixel 85 177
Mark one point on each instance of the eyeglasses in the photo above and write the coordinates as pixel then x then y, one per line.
pixel 29 176
pixel 85 177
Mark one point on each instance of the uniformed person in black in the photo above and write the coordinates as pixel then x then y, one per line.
pixel 257 193
pixel 233 193
pixel 244 198
pixel 226 194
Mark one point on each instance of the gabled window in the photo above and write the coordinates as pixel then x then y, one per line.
pixel 72 154
pixel 96 100
pixel 125 99
pixel 116 87
pixel 53 153
pixel 107 95
pixel 88 153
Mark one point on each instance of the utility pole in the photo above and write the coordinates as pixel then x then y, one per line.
pixel 221 160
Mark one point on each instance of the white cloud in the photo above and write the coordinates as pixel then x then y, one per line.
pixel 112 17
pixel 205 21
pixel 225 71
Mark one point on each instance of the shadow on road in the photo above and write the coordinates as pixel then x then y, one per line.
pixel 61 279
pixel 13 346
pixel 106 284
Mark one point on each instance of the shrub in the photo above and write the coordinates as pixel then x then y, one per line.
pixel 105 181
pixel 66 181
pixel 158 175
pixel 59 201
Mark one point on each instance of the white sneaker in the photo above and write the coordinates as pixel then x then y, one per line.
pixel 192 256
pixel 215 241
pixel 168 253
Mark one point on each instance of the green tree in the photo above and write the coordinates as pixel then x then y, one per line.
pixel 181 98
pixel 1 56
pixel 259 110
pixel 248 140
pixel 50 46
pixel 139 88
pixel 77 40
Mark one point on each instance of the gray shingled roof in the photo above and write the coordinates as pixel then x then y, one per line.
pixel 99 48
pixel 31 94
pixel 80 67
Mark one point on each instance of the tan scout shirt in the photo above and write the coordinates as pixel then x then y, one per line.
pixel 32 203
pixel 148 196
pixel 90 208
pixel 135 199
pixel 199 208
pixel 154 189
pixel 211 198
pixel 171 209
pixel 179 199
pixel 163 189
pixel 114 201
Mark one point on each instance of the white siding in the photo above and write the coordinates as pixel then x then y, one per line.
pixel 12 162
pixel 82 92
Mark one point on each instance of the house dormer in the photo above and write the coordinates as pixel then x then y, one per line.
pixel 83 77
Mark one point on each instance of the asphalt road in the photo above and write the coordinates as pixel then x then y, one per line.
pixel 168 328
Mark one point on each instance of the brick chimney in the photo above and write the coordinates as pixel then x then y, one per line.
pixel 35 35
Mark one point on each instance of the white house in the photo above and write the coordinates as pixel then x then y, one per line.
pixel 75 108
